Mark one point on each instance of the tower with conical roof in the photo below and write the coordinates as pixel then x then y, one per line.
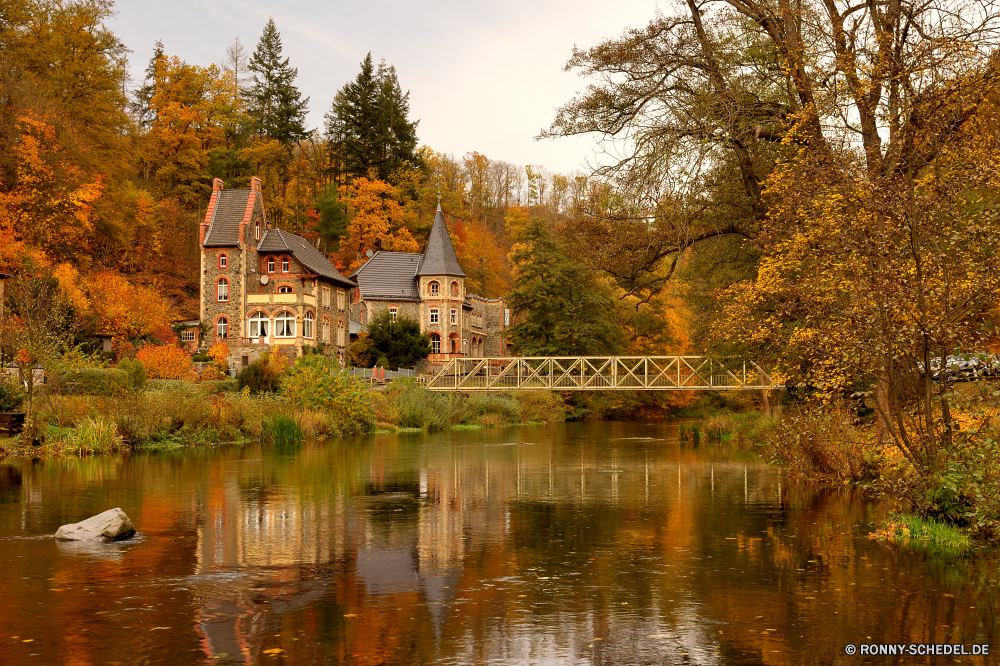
pixel 441 282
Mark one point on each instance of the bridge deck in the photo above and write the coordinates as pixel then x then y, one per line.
pixel 600 373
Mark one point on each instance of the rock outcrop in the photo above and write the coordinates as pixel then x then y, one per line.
pixel 112 525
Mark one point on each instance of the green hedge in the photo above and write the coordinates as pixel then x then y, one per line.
pixel 104 381
pixel 219 386
pixel 136 372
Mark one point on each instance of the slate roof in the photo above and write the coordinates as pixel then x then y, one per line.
pixel 224 229
pixel 439 257
pixel 276 240
pixel 389 276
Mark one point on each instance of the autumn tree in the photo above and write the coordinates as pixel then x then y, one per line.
pixel 369 124
pixel 376 221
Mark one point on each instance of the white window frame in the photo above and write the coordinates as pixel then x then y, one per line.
pixel 435 344
pixel 187 336
pixel 454 317
pixel 271 265
pixel 393 312
pixel 326 331
pixel 222 290
pixel 258 325
pixel 222 327
pixel 223 261
pixel 434 316
pixel 284 324
pixel 340 299
pixel 326 296
pixel 434 288
pixel 286 265
pixel 340 333
pixel 257 230
pixel 285 289
pixel 309 325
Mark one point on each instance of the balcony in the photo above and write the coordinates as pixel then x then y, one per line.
pixel 281 299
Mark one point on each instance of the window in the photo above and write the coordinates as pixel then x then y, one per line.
pixel 393 312
pixel 435 343
pixel 256 230
pixel 258 325
pixel 308 325
pixel 270 264
pixel 454 317
pixel 434 315
pixel 326 331
pixel 340 333
pixel 326 297
pixel 223 261
pixel 222 290
pixel 285 265
pixel 284 289
pixel 454 345
pixel 187 336
pixel 340 299
pixel 434 288
pixel 222 328
pixel 284 325
pixel 454 289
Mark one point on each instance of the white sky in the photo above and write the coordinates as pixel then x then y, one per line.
pixel 482 76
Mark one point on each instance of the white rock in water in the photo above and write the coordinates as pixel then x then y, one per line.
pixel 112 525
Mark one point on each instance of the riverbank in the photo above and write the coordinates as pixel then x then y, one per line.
pixel 172 414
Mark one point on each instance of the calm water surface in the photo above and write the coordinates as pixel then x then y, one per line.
pixel 596 543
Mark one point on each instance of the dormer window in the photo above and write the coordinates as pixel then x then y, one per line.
pixel 223 261
pixel 270 264
pixel 285 265
pixel 434 288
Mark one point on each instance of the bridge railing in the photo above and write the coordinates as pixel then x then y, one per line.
pixel 601 373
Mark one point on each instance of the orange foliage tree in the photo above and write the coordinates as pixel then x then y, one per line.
pixel 377 221
pixel 165 362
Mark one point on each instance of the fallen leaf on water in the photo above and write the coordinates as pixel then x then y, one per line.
pixel 810 597
pixel 273 651
pixel 28 640
pixel 351 615
pixel 521 595
pixel 155 628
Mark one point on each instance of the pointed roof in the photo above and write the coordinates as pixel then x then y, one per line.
pixel 277 240
pixel 439 256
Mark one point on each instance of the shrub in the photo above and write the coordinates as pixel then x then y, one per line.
pixel 136 372
pixel 97 435
pixel 541 406
pixel 104 381
pixel 11 396
pixel 165 362
pixel 317 382
pixel 222 385
pixel 210 374
pixel 200 357
pixel 382 362
pixel 258 377
pixel 219 353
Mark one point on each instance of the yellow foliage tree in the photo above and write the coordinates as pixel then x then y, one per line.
pixel 376 221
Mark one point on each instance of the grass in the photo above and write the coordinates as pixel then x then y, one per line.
pixel 749 428
pixel 904 527
pixel 281 430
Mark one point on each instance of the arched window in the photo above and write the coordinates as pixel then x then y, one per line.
pixel 222 290
pixel 223 261
pixel 309 325
pixel 454 345
pixel 258 325
pixel 285 265
pixel 222 327
pixel 434 315
pixel 270 264
pixel 435 343
pixel 341 338
pixel 284 325
pixel 454 289
pixel 284 289
pixel 434 288
pixel 326 330
pixel 340 299
pixel 256 230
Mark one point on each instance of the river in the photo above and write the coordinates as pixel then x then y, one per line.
pixel 582 543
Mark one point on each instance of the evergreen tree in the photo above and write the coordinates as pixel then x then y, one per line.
pixel 332 216
pixel 142 98
pixel 275 105
pixel 400 342
pixel 369 123
pixel 569 312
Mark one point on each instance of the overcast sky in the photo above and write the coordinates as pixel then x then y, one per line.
pixel 482 76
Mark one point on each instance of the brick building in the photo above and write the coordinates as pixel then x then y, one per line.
pixel 430 288
pixel 263 287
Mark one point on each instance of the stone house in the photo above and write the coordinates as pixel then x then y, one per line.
pixel 263 287
pixel 430 288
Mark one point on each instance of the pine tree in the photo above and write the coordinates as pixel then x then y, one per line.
pixel 275 104
pixel 569 311
pixel 143 96
pixel 369 124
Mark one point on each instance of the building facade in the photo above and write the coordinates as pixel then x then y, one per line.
pixel 430 288
pixel 262 287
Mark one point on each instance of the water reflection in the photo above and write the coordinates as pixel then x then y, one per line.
pixel 606 543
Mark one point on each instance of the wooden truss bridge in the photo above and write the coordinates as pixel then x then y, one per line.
pixel 601 373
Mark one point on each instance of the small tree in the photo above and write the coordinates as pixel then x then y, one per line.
pixel 38 327
pixel 362 352
pixel 400 341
